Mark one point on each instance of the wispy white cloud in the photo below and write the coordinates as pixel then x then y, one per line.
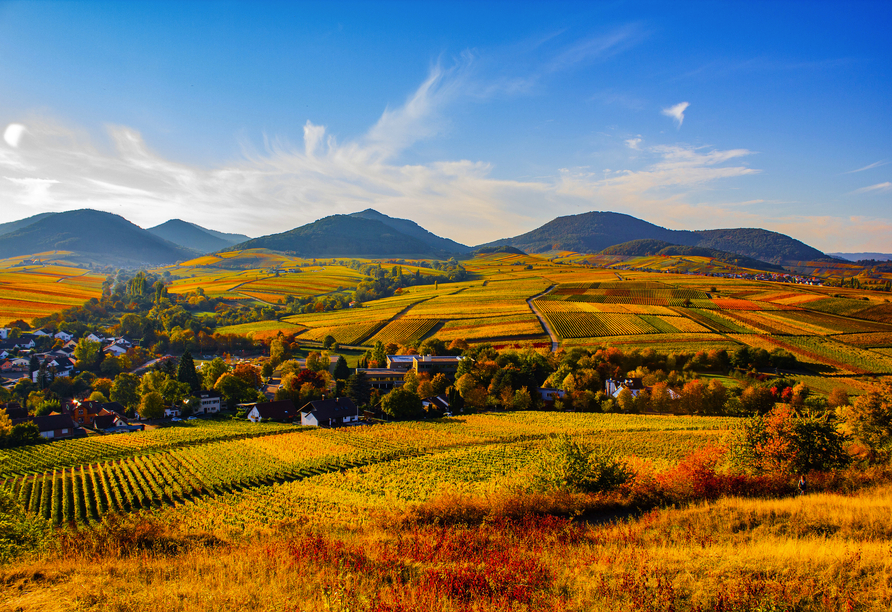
pixel 633 143
pixel 676 112
pixel 868 167
pixel 878 188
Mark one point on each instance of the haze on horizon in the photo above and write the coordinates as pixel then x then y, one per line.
pixel 478 121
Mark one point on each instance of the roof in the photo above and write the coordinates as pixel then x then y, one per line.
pixel 330 408
pixel 209 394
pixel 115 407
pixel 105 421
pixel 440 401
pixel 280 410
pixel 50 422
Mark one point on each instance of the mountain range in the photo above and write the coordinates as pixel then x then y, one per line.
pixel 592 232
pixel 110 239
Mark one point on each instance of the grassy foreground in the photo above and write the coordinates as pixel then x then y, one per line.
pixel 817 552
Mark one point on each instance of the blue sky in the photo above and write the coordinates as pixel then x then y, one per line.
pixel 477 120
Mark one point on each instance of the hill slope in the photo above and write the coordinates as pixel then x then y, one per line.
pixel 410 228
pixel 95 236
pixel 8 228
pixel 343 236
pixel 192 236
pixel 592 232
pixel 646 247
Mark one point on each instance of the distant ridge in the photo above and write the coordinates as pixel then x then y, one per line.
pixel 192 236
pixel 345 236
pixel 863 256
pixel 592 232
pixel 95 236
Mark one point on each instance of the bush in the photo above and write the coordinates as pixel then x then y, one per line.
pixel 568 465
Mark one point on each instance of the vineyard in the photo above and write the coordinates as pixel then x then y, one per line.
pixel 198 474
pixel 28 291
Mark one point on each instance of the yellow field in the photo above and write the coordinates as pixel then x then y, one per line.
pixel 37 289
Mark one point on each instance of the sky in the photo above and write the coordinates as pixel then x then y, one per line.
pixel 478 120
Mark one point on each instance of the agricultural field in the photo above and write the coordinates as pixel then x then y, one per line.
pixel 238 475
pixel 35 287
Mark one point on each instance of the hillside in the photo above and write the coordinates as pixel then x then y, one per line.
pixel 592 232
pixel 639 248
pixel 195 237
pixel 410 228
pixel 93 236
pixel 8 228
pixel 344 236
pixel 859 256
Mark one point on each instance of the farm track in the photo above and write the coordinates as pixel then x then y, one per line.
pixel 555 341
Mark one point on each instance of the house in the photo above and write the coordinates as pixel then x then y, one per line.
pixel 54 426
pixel 40 332
pixel 614 387
pixel 382 378
pixel 429 364
pixel 548 395
pixel 171 411
pixel 15 410
pixel 14 365
pixel 4 332
pixel 107 420
pixel 114 350
pixel 210 402
pixel 94 338
pixel 329 412
pixel 438 403
pixel 64 336
pixel 84 413
pixel 282 410
pixel 17 343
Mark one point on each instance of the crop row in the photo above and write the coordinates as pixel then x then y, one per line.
pixel 346 334
pixel 402 331
pixel 80 451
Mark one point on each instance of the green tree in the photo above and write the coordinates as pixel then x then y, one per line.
pixel 328 341
pixel 151 406
pixel 402 404
pixel 341 370
pixel 869 420
pixel 358 389
pixel 379 355
pixel 88 354
pixel 186 373
pixel 212 371
pixel 125 390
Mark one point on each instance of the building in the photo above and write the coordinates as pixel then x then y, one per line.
pixel 438 403
pixel 282 410
pixel 400 362
pixel 329 412
pixel 614 387
pixel 383 379
pixel 433 365
pixel 211 402
pixel 548 395
pixel 54 426
pixel 84 413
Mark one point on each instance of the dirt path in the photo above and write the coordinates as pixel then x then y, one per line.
pixel 555 341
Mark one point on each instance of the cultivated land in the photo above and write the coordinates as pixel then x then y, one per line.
pixel 440 514
pixel 41 284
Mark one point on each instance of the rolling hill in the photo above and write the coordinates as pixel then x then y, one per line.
pixel 93 236
pixel 195 237
pixel 638 248
pixel 592 232
pixel 344 236
pixel 410 228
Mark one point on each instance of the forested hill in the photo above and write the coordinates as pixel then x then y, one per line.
pixel 94 236
pixel 192 236
pixel 592 232
pixel 410 228
pixel 344 236
pixel 648 247
pixel 8 228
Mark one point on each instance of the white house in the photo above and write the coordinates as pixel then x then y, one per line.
pixel 115 350
pixel 210 402
pixel 63 336
pixel 94 338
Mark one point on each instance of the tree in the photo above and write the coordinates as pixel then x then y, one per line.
pixel 278 351
pixel 97 396
pixel 111 366
pixel 341 370
pixel 401 404
pixel 88 354
pixel 379 355
pixel 358 388
pixel 318 362
pixel 328 341
pixel 125 390
pixel 212 371
pixel 869 420
pixel 186 373
pixel 151 406
pixel 757 400
pixel 234 390
pixel 267 370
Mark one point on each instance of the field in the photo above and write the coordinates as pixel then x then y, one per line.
pixel 237 474
pixel 35 287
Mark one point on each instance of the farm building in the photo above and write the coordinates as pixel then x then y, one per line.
pixel 282 410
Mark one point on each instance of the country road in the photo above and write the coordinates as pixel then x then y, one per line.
pixel 555 341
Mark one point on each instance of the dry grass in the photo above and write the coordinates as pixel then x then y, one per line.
pixel 817 552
